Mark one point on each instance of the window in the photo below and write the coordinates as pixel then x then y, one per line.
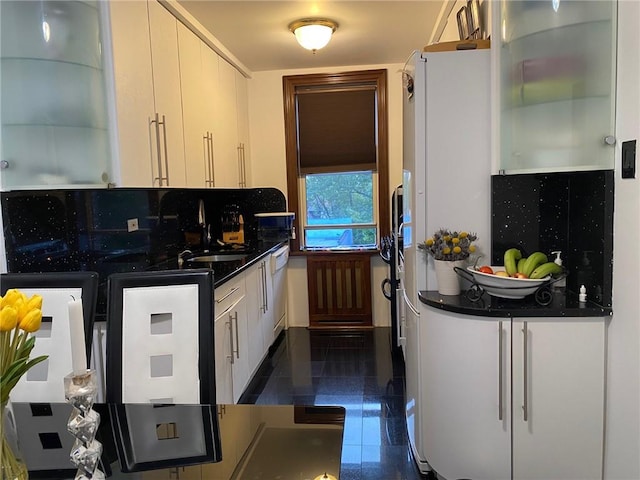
pixel 337 168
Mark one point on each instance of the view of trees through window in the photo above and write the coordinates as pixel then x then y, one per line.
pixel 345 200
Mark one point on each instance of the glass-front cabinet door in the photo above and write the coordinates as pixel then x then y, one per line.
pixel 55 128
pixel 556 64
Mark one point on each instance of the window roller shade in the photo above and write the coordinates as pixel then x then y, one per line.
pixel 336 131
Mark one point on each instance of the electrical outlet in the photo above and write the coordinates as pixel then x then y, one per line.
pixel 132 225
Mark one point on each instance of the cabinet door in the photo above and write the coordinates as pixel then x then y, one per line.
pixel 168 102
pixel 223 339
pixel 133 76
pixel 242 106
pixel 465 386
pixel 558 398
pixel 208 105
pixel 192 92
pixel 240 367
pixel 226 128
pixel 255 307
pixel 557 85
pixel 268 314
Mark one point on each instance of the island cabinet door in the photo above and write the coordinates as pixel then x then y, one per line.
pixel 558 398
pixel 465 381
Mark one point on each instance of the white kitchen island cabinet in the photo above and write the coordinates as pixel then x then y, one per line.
pixel 505 404
pixel 558 398
pixel 467 413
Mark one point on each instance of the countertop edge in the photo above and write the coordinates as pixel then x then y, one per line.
pixel 460 304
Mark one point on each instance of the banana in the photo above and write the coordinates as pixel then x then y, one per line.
pixel 549 268
pixel 533 260
pixel 511 256
pixel 520 265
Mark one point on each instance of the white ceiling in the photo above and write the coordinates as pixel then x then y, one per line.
pixel 369 32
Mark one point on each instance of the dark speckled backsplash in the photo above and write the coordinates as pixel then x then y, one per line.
pixel 571 212
pixel 70 230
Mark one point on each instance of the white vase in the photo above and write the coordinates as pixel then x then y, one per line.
pixel 448 279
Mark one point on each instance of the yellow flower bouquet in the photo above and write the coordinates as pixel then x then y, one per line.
pixel 19 317
pixel 449 245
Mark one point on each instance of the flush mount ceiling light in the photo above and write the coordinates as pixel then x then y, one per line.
pixel 325 476
pixel 313 33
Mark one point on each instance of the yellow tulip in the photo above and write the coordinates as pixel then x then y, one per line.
pixel 12 296
pixel 457 249
pixel 429 242
pixel 455 240
pixel 24 307
pixel 31 321
pixel 472 248
pixel 8 319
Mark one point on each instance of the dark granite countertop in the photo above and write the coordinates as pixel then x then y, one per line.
pixel 223 271
pixel 563 304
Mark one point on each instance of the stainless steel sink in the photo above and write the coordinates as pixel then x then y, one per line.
pixel 218 257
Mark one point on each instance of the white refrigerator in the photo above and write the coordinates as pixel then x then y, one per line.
pixel 446 184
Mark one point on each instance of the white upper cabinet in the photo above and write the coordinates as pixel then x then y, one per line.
pixel 242 106
pixel 227 168
pixel 165 61
pixel 556 78
pixel 148 101
pixel 55 127
pixel 133 77
pixel 191 82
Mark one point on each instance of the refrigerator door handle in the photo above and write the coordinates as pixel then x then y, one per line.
pixel 409 304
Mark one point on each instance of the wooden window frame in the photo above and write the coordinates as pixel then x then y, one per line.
pixel 371 77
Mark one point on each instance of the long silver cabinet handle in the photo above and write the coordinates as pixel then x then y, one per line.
pixel 525 371
pixel 206 159
pixel 263 308
pixel 500 359
pixel 229 293
pixel 166 154
pixel 211 157
pixel 244 165
pixel 266 290
pixel 231 340
pixel 239 166
pixel 156 123
pixel 237 339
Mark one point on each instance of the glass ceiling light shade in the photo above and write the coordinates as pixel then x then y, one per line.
pixel 325 476
pixel 313 33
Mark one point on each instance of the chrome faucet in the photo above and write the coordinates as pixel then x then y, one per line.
pixel 206 229
pixel 181 257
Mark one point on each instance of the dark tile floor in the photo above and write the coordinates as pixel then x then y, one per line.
pixel 355 370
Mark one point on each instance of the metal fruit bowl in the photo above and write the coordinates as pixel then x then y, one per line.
pixel 506 287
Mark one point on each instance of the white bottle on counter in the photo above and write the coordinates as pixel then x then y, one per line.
pixel 562 283
pixel 582 296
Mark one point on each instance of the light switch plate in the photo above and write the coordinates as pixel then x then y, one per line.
pixel 132 225
pixel 629 159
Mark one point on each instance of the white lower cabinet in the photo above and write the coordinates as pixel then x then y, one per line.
pixel 558 398
pixel 513 398
pixel 231 341
pixel 466 413
pixel 260 312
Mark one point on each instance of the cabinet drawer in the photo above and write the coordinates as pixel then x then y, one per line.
pixel 228 294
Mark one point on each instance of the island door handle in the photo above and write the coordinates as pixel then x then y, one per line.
pixel 525 403
pixel 264 285
pixel 237 337
pixel 500 360
pixel 230 340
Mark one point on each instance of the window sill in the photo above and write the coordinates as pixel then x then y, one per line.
pixel 310 252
